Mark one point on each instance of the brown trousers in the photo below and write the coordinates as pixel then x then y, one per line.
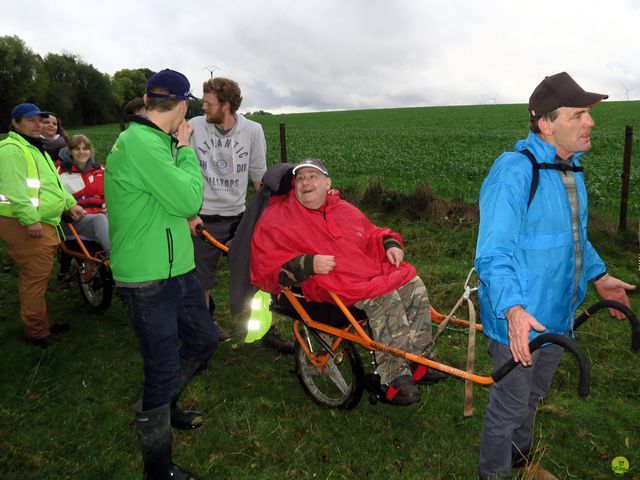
pixel 34 257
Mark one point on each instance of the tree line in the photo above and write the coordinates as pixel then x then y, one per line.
pixel 66 85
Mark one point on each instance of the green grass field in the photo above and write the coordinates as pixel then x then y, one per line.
pixel 67 412
pixel 451 148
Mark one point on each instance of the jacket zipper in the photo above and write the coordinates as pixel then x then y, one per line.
pixel 170 249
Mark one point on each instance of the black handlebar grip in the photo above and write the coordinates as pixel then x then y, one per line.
pixel 569 344
pixel 633 320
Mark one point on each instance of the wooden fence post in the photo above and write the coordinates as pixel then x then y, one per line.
pixel 625 175
pixel 283 144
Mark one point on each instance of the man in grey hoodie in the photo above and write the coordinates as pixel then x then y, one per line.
pixel 230 149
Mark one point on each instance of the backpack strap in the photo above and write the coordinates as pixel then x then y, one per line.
pixel 562 167
pixel 536 175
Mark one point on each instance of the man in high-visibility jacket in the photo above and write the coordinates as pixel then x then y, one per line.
pixel 32 201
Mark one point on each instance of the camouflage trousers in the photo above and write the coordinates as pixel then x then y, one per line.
pixel 401 319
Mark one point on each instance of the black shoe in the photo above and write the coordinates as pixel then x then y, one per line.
pixel 186 419
pixel 402 391
pixel 44 342
pixel 425 375
pixel 58 328
pixel 223 335
pixel 273 339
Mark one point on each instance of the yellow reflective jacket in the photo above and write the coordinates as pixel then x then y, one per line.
pixel 30 189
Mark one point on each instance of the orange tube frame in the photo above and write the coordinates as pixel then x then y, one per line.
pixel 356 334
pixel 84 253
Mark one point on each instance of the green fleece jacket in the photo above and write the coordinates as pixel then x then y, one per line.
pixel 151 189
pixel 54 199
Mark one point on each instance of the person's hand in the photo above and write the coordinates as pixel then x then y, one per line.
pixel 183 134
pixel 610 288
pixel 520 324
pixel 193 222
pixel 34 230
pixel 395 255
pixel 323 264
pixel 76 212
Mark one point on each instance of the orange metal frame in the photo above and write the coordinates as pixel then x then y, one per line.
pixel 83 253
pixel 356 334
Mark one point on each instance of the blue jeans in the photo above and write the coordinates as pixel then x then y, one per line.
pixel 161 312
pixel 508 423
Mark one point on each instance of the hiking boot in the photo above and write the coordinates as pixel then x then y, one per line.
pixel 534 471
pixel 223 335
pixel 58 328
pixel 425 375
pixel 273 339
pixel 402 391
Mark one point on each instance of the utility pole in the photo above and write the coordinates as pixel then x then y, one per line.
pixel 211 69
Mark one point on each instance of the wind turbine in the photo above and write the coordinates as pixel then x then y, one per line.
pixel 211 69
pixel 627 90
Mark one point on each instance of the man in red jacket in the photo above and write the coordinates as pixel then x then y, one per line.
pixel 313 238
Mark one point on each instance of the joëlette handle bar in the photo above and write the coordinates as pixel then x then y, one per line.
pixel 633 320
pixel 206 236
pixel 568 344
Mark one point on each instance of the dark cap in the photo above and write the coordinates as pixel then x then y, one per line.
pixel 311 163
pixel 177 84
pixel 560 90
pixel 27 110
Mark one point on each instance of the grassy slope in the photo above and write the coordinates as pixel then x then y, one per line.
pixel 66 412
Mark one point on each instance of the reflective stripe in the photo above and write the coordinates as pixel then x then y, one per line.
pixel 32 181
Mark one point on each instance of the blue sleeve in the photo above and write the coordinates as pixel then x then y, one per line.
pixel 503 206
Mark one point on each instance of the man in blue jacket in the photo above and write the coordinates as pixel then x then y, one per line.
pixel 534 261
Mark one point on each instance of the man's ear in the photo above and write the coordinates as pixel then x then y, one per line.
pixel 145 99
pixel 545 126
pixel 328 183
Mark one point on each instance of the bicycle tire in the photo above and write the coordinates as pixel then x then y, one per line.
pixel 338 384
pixel 95 283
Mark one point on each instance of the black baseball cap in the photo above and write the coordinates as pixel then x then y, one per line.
pixel 311 163
pixel 177 84
pixel 560 90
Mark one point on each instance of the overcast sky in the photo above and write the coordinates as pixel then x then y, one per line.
pixel 304 55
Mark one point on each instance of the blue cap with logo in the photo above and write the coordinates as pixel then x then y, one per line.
pixel 27 110
pixel 175 82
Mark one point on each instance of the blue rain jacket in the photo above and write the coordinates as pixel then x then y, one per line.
pixel 525 256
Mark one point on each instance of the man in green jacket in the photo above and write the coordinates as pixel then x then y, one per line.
pixel 32 200
pixel 153 185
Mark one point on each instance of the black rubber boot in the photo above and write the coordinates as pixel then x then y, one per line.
pixel 273 339
pixel 154 434
pixel 185 419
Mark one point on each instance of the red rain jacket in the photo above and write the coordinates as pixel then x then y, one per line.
pixel 287 229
